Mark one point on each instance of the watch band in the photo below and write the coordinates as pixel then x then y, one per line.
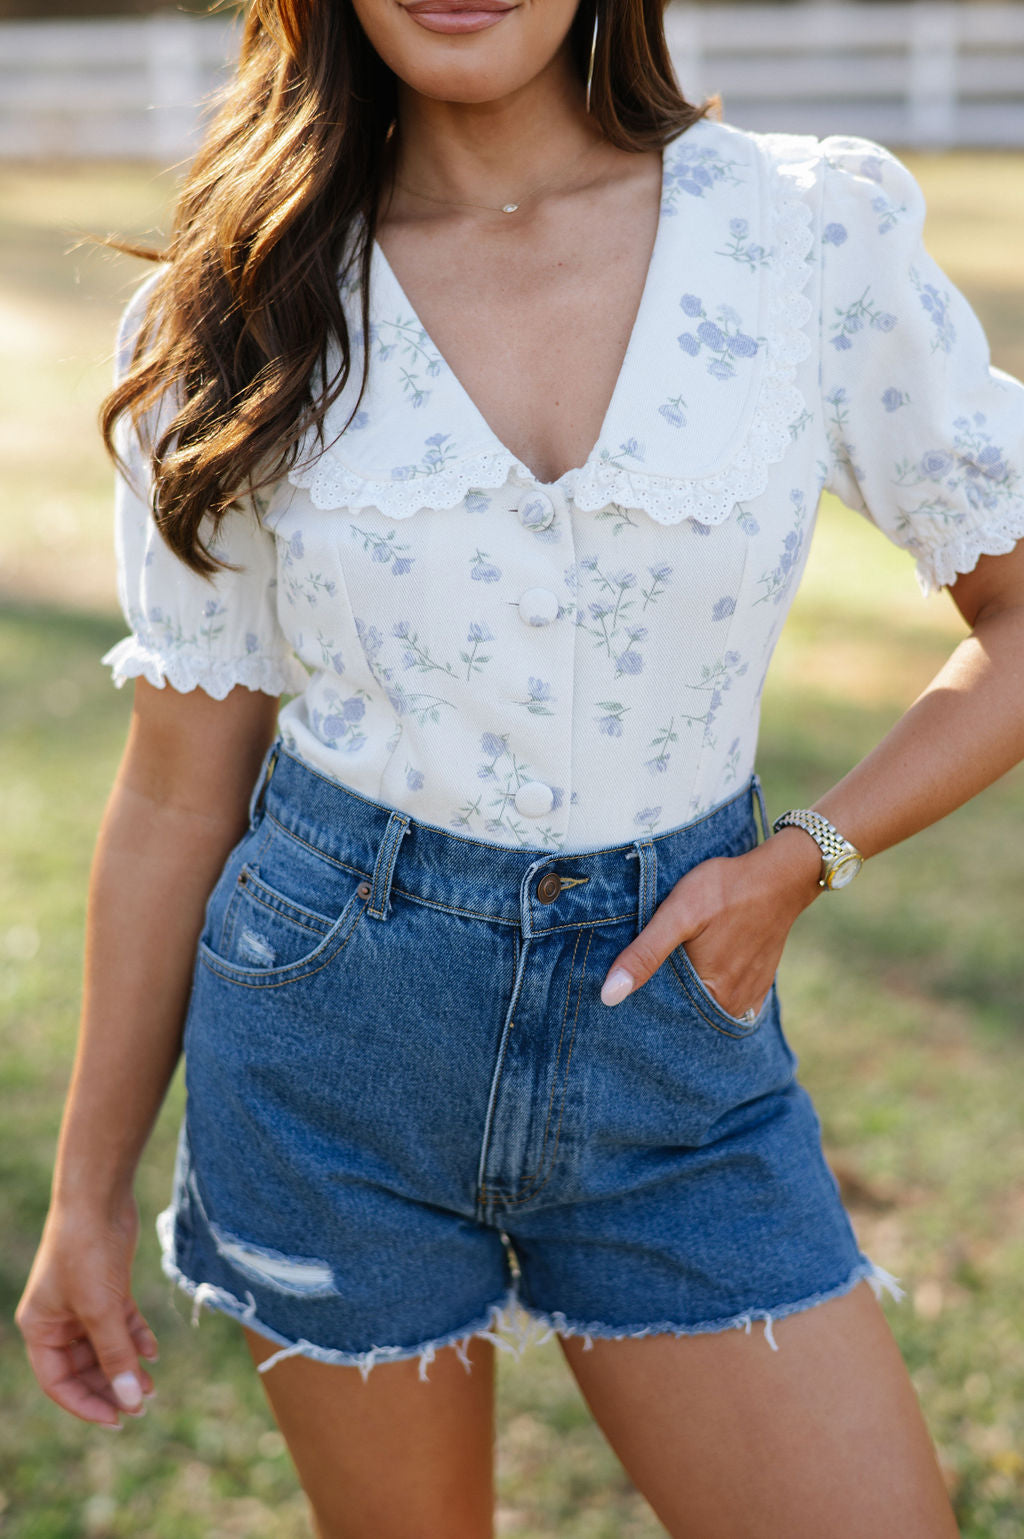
pixel 839 856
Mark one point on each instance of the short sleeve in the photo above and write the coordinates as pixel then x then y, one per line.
pixel 186 630
pixel 926 437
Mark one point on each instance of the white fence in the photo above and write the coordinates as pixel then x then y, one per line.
pixel 927 74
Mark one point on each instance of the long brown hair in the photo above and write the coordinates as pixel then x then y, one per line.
pixel 241 316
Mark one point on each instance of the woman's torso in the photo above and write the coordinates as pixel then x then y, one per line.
pixel 565 664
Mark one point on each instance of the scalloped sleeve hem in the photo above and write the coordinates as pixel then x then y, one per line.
pixel 132 659
pixel 938 568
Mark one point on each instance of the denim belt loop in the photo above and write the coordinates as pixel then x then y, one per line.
pixel 762 805
pixel 648 859
pixel 380 894
pixel 262 781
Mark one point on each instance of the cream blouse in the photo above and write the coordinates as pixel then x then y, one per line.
pixel 563 665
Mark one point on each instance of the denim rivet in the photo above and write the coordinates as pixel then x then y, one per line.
pixel 363 889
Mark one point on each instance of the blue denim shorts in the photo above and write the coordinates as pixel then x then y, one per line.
pixel 410 1120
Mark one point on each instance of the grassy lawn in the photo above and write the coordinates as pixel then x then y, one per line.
pixel 903 998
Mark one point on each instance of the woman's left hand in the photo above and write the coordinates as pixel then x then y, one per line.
pixel 733 914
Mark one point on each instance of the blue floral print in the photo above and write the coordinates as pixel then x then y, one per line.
pixel 416 654
pixel 340 726
pixel 723 337
pixel 474 659
pixel 776 582
pixel 406 337
pixel 674 411
pixel 662 741
pixel 440 450
pixel 386 548
pixel 696 172
pixel 742 249
pixel 976 471
pixel 538 698
pixel 504 772
pixel 937 306
pixel 611 722
pixel 482 569
pixel 887 211
pixel 862 312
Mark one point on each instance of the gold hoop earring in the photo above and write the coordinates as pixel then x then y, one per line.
pixel 593 50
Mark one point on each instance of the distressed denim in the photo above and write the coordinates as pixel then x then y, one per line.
pixel 410 1120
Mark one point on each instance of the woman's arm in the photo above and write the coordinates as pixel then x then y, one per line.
pixel 178 805
pixel 963 732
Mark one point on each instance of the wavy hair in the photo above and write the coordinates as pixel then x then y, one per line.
pixel 245 312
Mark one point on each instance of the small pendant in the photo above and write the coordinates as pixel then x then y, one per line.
pixel 509 208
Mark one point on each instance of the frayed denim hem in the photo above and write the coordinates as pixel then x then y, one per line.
pixel 508 1323
pixel 225 1302
pixel 877 1277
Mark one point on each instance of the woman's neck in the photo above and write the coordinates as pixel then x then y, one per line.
pixel 495 151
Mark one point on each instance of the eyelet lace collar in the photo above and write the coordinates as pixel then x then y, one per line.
pixel 706 397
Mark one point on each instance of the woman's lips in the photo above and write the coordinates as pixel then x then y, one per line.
pixel 453 16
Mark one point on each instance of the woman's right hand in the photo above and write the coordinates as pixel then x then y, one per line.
pixel 83 1331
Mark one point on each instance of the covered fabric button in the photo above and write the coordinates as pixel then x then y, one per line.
pixel 536 511
pixel 538 606
pixel 534 798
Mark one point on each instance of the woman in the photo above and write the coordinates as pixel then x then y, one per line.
pixel 473 942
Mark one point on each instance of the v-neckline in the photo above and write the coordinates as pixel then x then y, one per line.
pixel 647 292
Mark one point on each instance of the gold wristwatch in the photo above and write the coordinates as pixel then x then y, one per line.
pixel 840 860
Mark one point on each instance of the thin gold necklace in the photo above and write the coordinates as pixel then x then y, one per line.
pixel 504 208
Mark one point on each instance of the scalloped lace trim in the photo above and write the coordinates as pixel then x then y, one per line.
pixel 939 567
pixel 331 485
pixel 132 658
pixel 668 500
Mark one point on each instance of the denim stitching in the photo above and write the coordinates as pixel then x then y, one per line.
pixel 698 1005
pixel 445 908
pixel 517 1201
pixel 289 911
pixel 227 932
pixel 532 1175
pixel 384 865
pixel 214 964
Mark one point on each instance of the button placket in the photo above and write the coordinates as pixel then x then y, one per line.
pixel 541 669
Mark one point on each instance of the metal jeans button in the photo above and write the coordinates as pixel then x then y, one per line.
pixel 549 886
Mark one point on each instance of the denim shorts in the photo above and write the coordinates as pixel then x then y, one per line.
pixel 410 1120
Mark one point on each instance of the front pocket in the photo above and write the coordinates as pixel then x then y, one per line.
pixel 282 913
pixel 262 928
pixel 704 1002
pixel 315 953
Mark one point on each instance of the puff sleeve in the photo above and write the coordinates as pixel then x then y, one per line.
pixel 186 630
pixel 926 437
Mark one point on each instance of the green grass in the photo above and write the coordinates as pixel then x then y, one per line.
pixel 902 997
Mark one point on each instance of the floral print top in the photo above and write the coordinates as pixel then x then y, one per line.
pixel 572 664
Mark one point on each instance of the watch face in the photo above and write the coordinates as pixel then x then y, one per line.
pixel 844 870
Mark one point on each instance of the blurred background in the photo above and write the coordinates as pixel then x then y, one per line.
pixel 904 999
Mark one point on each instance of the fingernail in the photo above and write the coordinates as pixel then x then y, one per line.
pixel 616 986
pixel 111 1426
pixel 128 1390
